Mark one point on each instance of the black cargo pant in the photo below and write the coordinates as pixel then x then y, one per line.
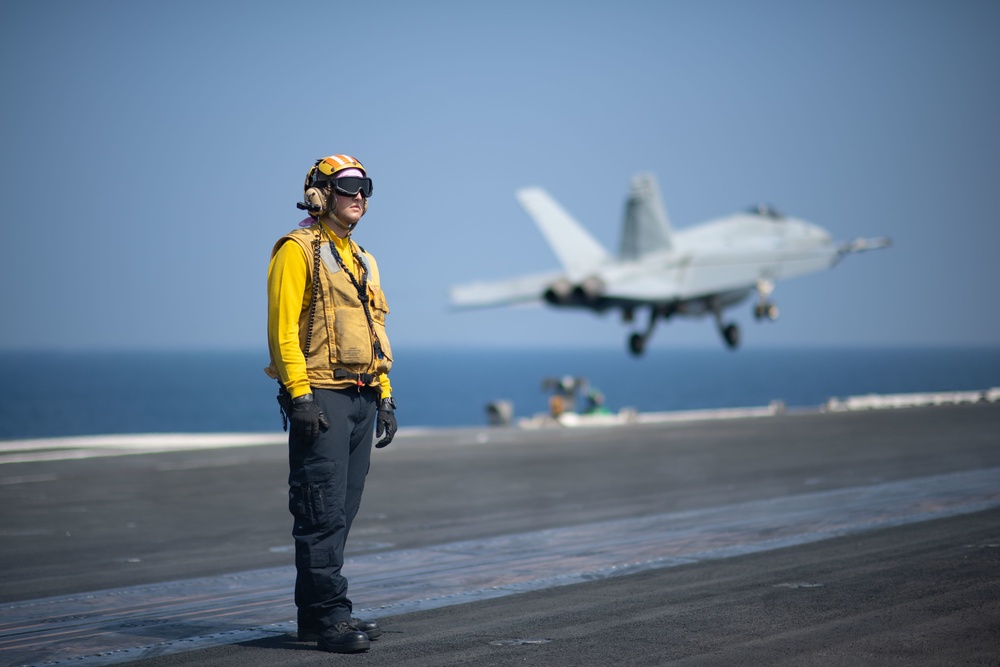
pixel 326 479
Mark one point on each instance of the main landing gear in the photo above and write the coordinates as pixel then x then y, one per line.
pixel 637 341
pixel 637 344
pixel 730 331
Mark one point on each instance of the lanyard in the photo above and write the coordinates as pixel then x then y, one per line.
pixel 362 287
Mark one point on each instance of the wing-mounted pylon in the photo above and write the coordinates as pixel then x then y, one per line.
pixel 646 228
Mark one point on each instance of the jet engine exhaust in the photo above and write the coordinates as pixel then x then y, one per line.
pixel 558 293
pixel 589 290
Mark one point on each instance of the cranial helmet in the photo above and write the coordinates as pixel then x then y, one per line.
pixel 326 168
pixel 317 185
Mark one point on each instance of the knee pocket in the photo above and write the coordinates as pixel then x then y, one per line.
pixel 312 558
pixel 311 490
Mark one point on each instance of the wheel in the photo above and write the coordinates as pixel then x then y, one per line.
pixel 768 310
pixel 732 335
pixel 636 344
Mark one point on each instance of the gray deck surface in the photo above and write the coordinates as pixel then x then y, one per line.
pixel 802 539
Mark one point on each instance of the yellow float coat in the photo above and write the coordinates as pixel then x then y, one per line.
pixel 341 335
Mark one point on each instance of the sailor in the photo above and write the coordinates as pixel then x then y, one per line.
pixel 331 356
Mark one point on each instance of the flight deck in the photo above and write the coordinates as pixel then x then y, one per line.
pixel 814 538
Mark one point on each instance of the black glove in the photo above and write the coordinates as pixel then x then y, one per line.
pixel 307 419
pixel 385 421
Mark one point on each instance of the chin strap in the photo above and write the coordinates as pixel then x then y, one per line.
pixel 316 211
pixel 346 228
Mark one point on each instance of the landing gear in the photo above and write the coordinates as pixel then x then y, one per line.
pixel 637 341
pixel 637 344
pixel 730 331
pixel 764 307
pixel 731 334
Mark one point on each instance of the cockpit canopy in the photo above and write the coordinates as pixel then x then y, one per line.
pixel 765 210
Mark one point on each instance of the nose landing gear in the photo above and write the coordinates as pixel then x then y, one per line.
pixel 764 307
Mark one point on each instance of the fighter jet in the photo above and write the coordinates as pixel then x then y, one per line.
pixel 693 272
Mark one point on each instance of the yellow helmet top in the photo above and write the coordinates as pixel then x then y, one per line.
pixel 326 167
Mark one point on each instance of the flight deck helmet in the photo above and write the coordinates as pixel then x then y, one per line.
pixel 320 177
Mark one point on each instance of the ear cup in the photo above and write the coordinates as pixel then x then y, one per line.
pixel 316 199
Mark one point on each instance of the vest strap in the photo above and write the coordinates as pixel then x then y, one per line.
pixel 361 378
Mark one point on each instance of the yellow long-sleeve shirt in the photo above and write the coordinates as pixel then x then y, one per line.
pixel 287 279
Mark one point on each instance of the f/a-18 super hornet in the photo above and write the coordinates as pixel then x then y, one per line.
pixel 697 271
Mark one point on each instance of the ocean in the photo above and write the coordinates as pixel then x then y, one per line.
pixel 50 394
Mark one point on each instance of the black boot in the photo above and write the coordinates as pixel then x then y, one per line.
pixel 310 631
pixel 370 628
pixel 343 638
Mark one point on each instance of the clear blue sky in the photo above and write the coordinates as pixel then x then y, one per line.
pixel 154 151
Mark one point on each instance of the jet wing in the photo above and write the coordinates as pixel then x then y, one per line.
pixel 523 289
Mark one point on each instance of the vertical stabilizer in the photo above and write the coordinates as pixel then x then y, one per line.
pixel 646 228
pixel 577 250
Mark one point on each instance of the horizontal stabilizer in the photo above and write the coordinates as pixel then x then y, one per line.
pixel 646 228
pixel 577 251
